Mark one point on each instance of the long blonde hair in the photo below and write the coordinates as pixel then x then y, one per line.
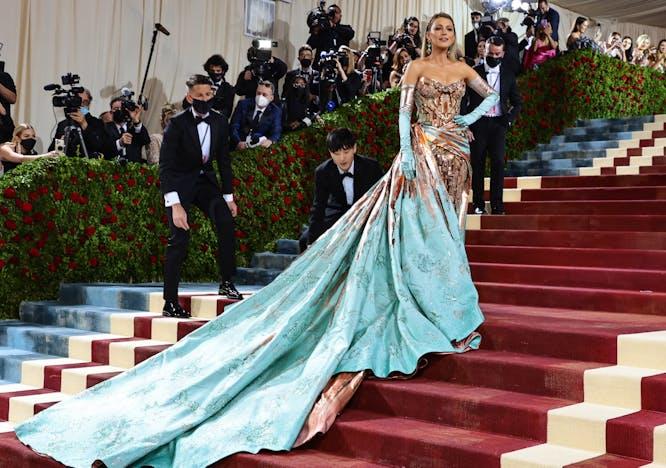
pixel 351 65
pixel 452 52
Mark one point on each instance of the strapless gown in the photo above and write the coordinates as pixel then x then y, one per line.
pixel 387 284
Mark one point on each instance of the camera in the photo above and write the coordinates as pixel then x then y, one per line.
pixel 68 98
pixel 259 54
pixel 373 54
pixel 328 67
pixel 320 17
pixel 127 104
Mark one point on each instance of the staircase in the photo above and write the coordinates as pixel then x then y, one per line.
pixel 581 150
pixel 571 370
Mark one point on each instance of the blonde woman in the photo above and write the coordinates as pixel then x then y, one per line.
pixel 21 148
pixel 168 111
pixel 642 51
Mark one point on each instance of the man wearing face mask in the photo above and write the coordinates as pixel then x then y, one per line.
pixel 127 132
pixel 192 141
pixel 223 101
pixel 300 110
pixel 305 55
pixel 91 129
pixel 472 37
pixel 489 132
pixel 258 121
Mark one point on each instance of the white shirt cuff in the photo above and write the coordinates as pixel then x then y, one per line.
pixel 171 199
pixel 307 121
pixel 137 127
pixel 228 197
pixel 119 145
pixel 262 139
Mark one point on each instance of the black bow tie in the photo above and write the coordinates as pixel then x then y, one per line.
pixel 347 174
pixel 198 119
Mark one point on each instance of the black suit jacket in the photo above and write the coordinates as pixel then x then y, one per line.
pixel 330 201
pixel 133 151
pixel 94 136
pixel 510 100
pixel 180 156
pixel 470 44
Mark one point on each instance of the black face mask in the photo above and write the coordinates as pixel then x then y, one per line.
pixel 118 116
pixel 28 144
pixel 202 107
pixel 493 61
pixel 216 77
pixel 305 63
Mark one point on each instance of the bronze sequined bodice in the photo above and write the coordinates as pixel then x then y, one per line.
pixel 437 103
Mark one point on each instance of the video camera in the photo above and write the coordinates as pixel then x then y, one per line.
pixel 259 54
pixel 128 104
pixel 320 17
pixel 373 54
pixel 68 98
pixel 328 67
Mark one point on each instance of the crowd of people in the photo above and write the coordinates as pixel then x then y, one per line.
pixel 329 73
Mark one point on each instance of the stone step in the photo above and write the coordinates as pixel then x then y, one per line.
pixel 577 145
pixel 623 121
pixel 11 362
pixel 272 261
pixel 287 246
pixel 564 154
pixel 594 136
pixel 255 276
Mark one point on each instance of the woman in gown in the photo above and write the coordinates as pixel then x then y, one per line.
pixel 389 283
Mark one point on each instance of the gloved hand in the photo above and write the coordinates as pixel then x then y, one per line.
pixel 487 104
pixel 408 165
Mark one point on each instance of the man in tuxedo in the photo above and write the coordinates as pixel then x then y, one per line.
pixel 472 37
pixel 127 132
pixel 545 12
pixel 91 129
pixel 257 121
pixel 192 141
pixel 339 183
pixel 225 93
pixel 489 132
pixel 311 75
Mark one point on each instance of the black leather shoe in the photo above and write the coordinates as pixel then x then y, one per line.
pixel 228 289
pixel 498 212
pixel 173 309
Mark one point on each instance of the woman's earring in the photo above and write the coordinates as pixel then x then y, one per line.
pixel 428 47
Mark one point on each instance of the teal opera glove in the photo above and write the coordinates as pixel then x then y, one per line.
pixel 491 98
pixel 407 163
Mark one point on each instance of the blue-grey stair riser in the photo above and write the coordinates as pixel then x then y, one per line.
pixel 84 317
pixel 552 155
pixel 106 296
pixel 255 276
pixel 272 261
pixel 626 120
pixel 38 338
pixel 11 362
pixel 287 246
pixel 577 146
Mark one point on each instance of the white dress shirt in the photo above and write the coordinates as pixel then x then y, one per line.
pixel 348 184
pixel 493 79
pixel 203 129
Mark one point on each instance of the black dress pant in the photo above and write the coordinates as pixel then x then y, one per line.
pixel 209 200
pixel 489 140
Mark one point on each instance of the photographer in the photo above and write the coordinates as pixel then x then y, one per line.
pixel 472 38
pixel 408 37
pixel 545 12
pixel 511 57
pixel 326 32
pixel 614 48
pixel 21 148
pixel 272 69
pixel 375 63
pixel 341 82
pixel 305 57
pixel 299 109
pixel 80 122
pixel 223 101
pixel 126 131
pixel 7 98
pixel 258 121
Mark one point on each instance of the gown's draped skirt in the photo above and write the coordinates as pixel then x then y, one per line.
pixel 387 284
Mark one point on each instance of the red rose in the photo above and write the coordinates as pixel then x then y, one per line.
pixel 120 187
pixel 90 231
pixel 203 248
pixel 57 196
pixel 243 248
pixel 164 240
pixel 10 224
pixel 149 180
pixel 9 192
pixel 287 201
pixel 135 201
pixel 34 252
pixel 235 182
pixel 113 236
pixel 26 207
pixel 275 218
pixel 27 220
pixel 108 209
pixel 52 267
pixel 50 225
pixel 72 265
pixel 153 259
pixel 4 210
pixel 116 176
pixel 91 175
pixel 33 196
pixel 93 262
pixel 131 182
pixel 300 196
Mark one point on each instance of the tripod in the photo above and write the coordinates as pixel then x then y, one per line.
pixel 73 131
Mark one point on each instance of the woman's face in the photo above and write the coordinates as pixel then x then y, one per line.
pixel 442 33
pixel 645 44
pixel 404 57
pixel 626 43
pixel 662 47
pixel 27 134
pixel 481 49
pixel 413 28
pixel 584 26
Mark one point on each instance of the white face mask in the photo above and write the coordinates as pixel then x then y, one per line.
pixel 261 101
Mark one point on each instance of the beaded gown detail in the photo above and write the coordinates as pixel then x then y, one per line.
pixel 387 284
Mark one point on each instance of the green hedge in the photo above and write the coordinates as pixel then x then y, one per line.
pixel 581 85
pixel 92 220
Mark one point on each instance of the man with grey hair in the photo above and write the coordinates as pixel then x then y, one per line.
pixel 257 121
